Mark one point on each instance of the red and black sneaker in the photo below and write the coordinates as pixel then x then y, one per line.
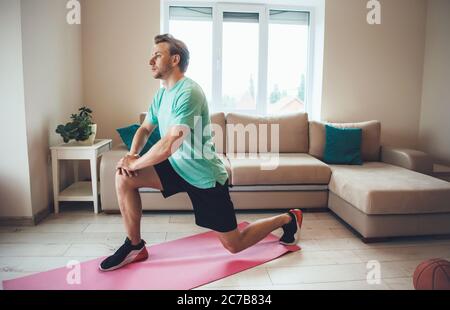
pixel 126 254
pixel 291 230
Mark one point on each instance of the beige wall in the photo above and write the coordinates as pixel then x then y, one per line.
pixel 117 42
pixel 370 72
pixel 15 195
pixel 53 88
pixel 375 71
pixel 434 123
pixel 44 58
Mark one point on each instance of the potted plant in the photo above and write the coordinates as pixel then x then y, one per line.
pixel 81 128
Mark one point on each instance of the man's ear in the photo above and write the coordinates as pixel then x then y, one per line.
pixel 175 60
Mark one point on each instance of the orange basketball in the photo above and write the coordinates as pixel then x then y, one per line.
pixel 432 274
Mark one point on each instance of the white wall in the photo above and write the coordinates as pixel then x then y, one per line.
pixel 434 123
pixel 375 71
pixel 15 195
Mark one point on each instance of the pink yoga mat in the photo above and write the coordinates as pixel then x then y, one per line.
pixel 181 264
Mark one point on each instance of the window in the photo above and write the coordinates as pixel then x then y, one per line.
pixel 246 57
pixel 194 27
pixel 239 60
pixel 288 59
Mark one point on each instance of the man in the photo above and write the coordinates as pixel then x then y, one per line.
pixel 174 164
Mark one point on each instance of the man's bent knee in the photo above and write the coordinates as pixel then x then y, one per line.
pixel 232 246
pixel 233 249
pixel 123 182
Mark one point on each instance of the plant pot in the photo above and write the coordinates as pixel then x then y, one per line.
pixel 91 139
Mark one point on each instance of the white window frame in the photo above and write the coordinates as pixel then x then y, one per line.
pixel 263 9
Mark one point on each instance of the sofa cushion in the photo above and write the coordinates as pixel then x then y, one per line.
pixel 227 165
pixel 343 146
pixel 370 142
pixel 292 137
pixel 127 134
pixel 379 188
pixel 290 168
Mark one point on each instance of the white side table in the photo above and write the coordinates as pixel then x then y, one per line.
pixel 78 191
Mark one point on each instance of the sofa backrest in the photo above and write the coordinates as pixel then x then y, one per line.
pixel 142 117
pixel 296 134
pixel 218 131
pixel 370 143
pixel 292 134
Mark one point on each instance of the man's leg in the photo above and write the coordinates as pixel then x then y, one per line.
pixel 130 201
pixel 236 241
pixel 133 249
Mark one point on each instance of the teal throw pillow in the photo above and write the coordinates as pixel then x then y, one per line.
pixel 127 135
pixel 342 146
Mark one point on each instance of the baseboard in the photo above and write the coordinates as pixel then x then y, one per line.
pixel 113 211
pixel 24 220
pixel 41 215
pixel 17 221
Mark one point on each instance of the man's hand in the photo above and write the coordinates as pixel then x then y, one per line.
pixel 124 165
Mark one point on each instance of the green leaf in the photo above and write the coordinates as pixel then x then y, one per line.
pixel 79 128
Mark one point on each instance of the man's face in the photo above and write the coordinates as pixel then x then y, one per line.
pixel 161 62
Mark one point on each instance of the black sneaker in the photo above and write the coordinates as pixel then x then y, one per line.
pixel 126 254
pixel 291 230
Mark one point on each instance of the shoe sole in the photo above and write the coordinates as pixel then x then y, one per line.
pixel 299 219
pixel 133 257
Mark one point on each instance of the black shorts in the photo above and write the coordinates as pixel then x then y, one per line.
pixel 213 207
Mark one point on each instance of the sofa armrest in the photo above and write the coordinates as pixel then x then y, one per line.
pixel 142 117
pixel 407 158
pixel 108 163
pixel 108 177
pixel 120 147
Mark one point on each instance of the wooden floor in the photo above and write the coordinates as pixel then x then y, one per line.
pixel 332 257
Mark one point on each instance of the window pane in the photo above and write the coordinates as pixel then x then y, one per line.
pixel 289 17
pixel 240 61
pixel 193 26
pixel 190 13
pixel 287 62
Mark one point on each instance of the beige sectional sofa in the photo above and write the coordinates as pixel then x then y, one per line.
pixel 391 194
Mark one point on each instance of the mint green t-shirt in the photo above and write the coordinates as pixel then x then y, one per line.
pixel 195 160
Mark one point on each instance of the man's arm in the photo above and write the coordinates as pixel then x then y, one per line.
pixel 163 149
pixel 186 109
pixel 141 137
